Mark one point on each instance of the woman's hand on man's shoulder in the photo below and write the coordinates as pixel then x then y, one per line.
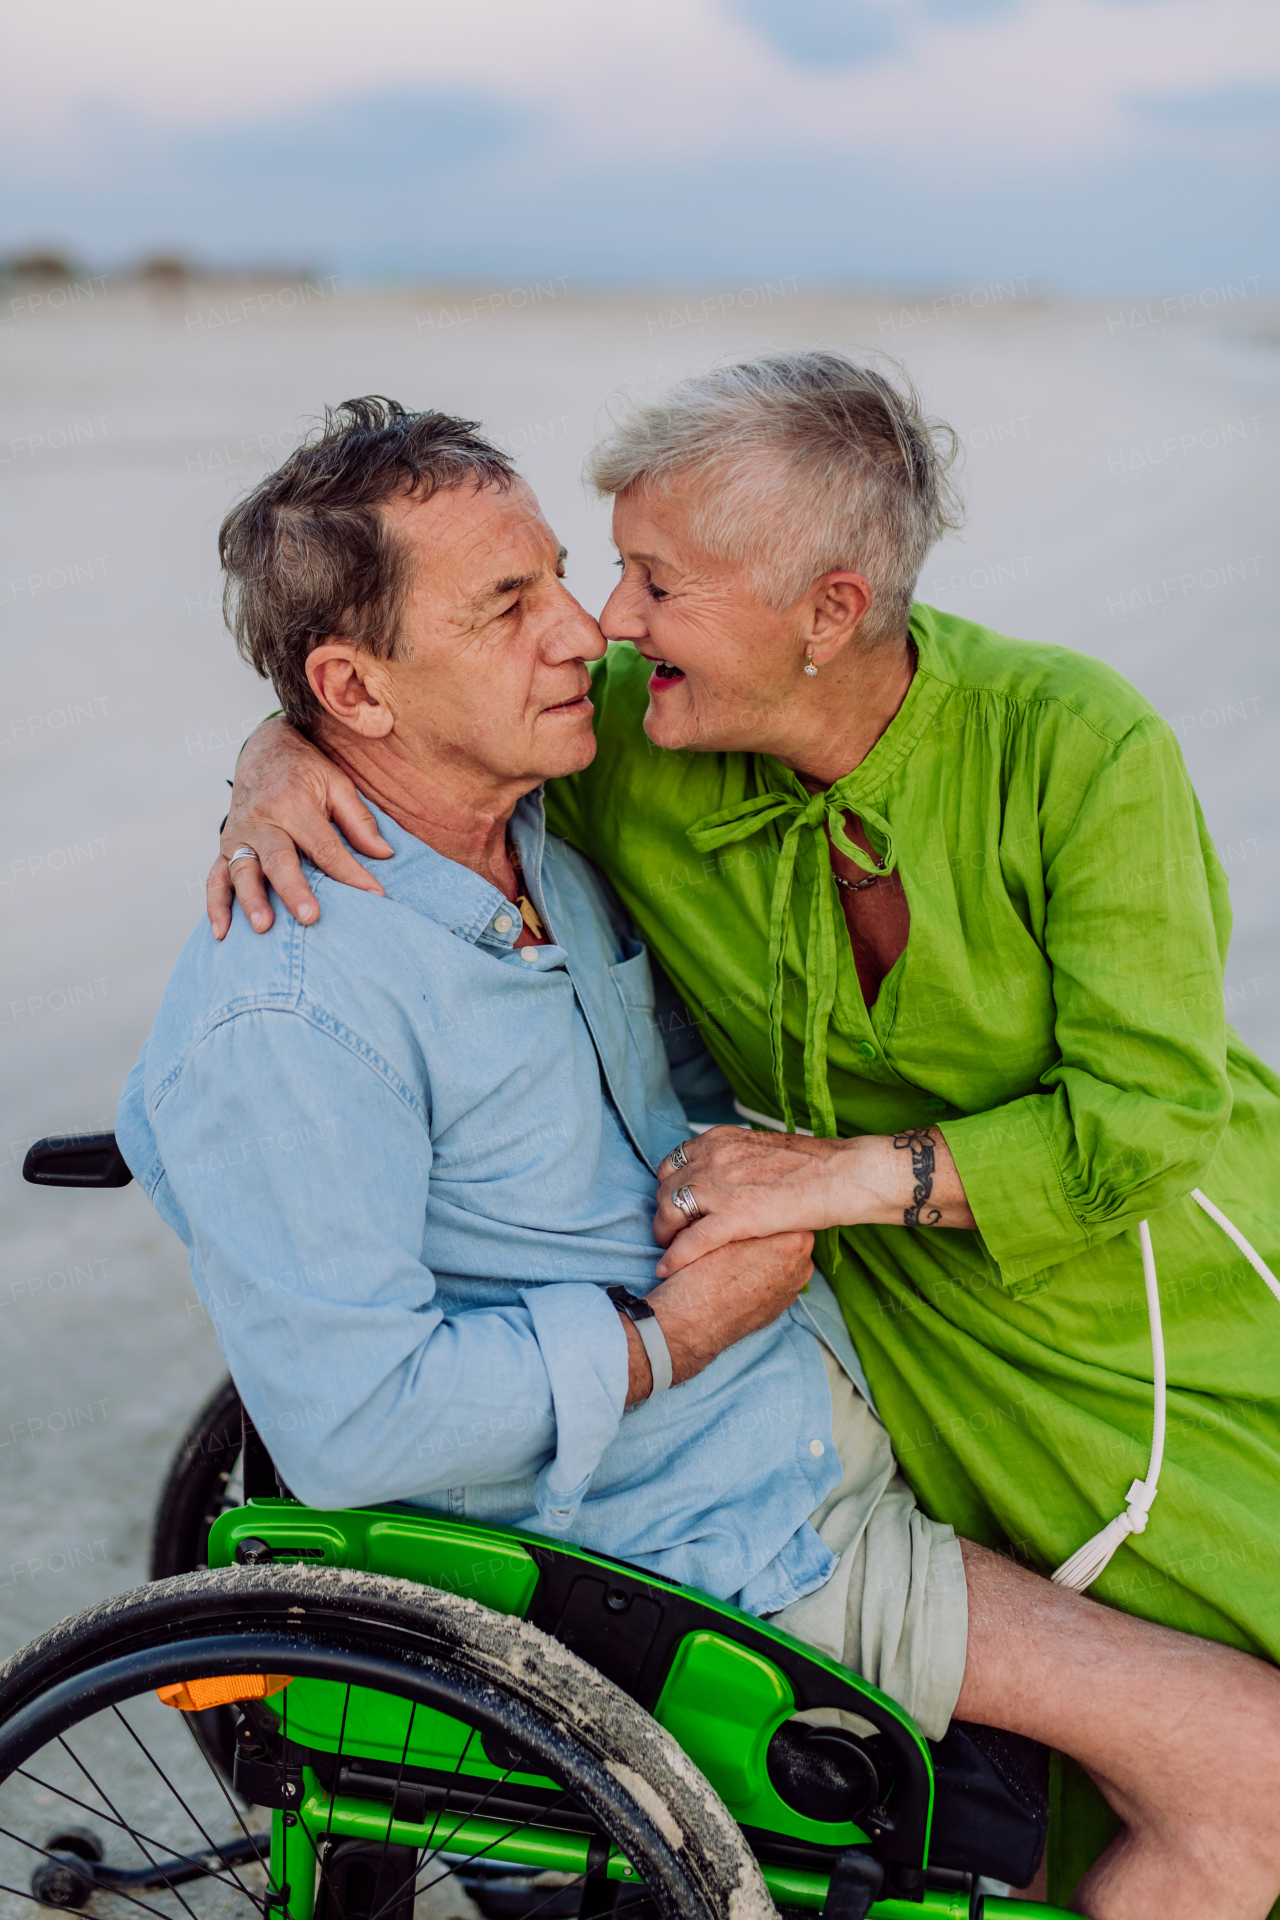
pixel 286 797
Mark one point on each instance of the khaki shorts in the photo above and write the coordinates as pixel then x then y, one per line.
pixel 896 1608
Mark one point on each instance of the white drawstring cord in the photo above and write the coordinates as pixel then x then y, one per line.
pixel 1084 1566
pixel 1255 1260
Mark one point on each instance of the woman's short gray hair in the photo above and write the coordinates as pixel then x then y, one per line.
pixel 804 464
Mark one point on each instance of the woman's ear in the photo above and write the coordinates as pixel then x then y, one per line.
pixel 352 687
pixel 838 605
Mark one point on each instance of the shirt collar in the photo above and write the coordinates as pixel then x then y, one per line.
pixel 456 897
pixel 896 743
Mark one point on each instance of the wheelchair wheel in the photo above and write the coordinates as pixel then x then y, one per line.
pixel 202 1482
pixel 420 1756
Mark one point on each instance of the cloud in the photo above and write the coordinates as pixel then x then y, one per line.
pixel 1240 109
pixel 354 143
pixel 825 33
pixel 833 33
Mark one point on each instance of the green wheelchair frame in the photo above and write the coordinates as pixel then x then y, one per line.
pixel 729 1684
pixel 724 1686
pixel 720 1681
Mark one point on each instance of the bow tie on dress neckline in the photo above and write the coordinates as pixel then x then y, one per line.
pixel 739 822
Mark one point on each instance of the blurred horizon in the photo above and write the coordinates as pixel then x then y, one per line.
pixel 1086 147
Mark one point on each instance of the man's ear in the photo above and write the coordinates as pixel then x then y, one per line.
pixel 353 687
pixel 837 605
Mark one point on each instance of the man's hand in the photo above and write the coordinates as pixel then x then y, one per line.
pixel 718 1300
pixel 286 796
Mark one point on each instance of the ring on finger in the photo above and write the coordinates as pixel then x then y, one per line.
pixel 242 853
pixel 683 1198
pixel 677 1158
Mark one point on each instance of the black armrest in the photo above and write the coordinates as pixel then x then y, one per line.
pixel 84 1160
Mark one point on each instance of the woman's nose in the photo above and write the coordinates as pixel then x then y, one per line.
pixel 622 617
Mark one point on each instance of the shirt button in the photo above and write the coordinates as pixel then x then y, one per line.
pixel 528 953
pixel 817 1449
pixel 503 923
pixel 866 1049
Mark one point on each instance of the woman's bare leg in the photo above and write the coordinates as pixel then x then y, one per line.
pixel 1181 1735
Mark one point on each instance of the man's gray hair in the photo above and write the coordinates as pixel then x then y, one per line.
pixel 800 464
pixel 308 556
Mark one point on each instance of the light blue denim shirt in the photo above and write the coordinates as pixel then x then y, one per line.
pixel 406 1158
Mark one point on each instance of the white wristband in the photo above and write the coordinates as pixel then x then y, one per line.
pixel 655 1345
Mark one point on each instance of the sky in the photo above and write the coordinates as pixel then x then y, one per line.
pixel 1089 145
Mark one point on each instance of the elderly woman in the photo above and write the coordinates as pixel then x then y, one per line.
pixel 944 909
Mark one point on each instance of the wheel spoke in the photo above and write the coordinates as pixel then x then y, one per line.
pixel 457 1775
pixel 235 1812
pixel 497 1840
pixel 203 1831
pixel 472 1813
pixel 117 1893
pixel 110 1820
pixel 106 1798
pixel 391 1811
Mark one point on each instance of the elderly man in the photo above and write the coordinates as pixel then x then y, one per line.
pixel 818 701
pixel 412 1149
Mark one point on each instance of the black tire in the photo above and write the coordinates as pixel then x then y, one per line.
pixel 78 1840
pixel 195 1490
pixel 62 1880
pixel 615 1771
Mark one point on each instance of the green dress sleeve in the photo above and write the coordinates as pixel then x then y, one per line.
pixel 1136 931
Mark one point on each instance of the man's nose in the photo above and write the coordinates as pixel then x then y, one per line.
pixel 575 635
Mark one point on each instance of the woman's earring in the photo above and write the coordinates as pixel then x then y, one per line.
pixel 810 669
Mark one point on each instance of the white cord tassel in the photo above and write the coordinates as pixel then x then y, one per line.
pixel 1084 1566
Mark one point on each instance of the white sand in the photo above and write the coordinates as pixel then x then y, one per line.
pixel 1119 479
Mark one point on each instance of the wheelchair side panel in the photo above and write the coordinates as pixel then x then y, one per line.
pixel 721 1682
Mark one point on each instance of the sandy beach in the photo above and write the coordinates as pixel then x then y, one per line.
pixel 1120 470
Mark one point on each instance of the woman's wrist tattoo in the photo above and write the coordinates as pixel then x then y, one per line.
pixel 919 1142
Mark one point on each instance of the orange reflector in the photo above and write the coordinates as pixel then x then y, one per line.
pixel 193 1696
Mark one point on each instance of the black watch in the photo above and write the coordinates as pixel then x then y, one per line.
pixel 631 1304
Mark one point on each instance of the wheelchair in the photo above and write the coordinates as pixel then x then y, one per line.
pixel 384 1714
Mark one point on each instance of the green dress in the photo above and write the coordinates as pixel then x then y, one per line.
pixel 1058 1010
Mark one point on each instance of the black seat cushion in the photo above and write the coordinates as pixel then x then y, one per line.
pixel 991 1802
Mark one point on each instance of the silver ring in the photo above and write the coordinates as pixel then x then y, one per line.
pixel 683 1198
pixel 677 1158
pixel 242 853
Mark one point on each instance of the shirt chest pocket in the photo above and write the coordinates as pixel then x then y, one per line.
pixel 633 981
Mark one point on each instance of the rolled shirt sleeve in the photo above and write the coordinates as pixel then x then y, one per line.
pixel 1136 931
pixel 577 1329
pixel 300 1172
